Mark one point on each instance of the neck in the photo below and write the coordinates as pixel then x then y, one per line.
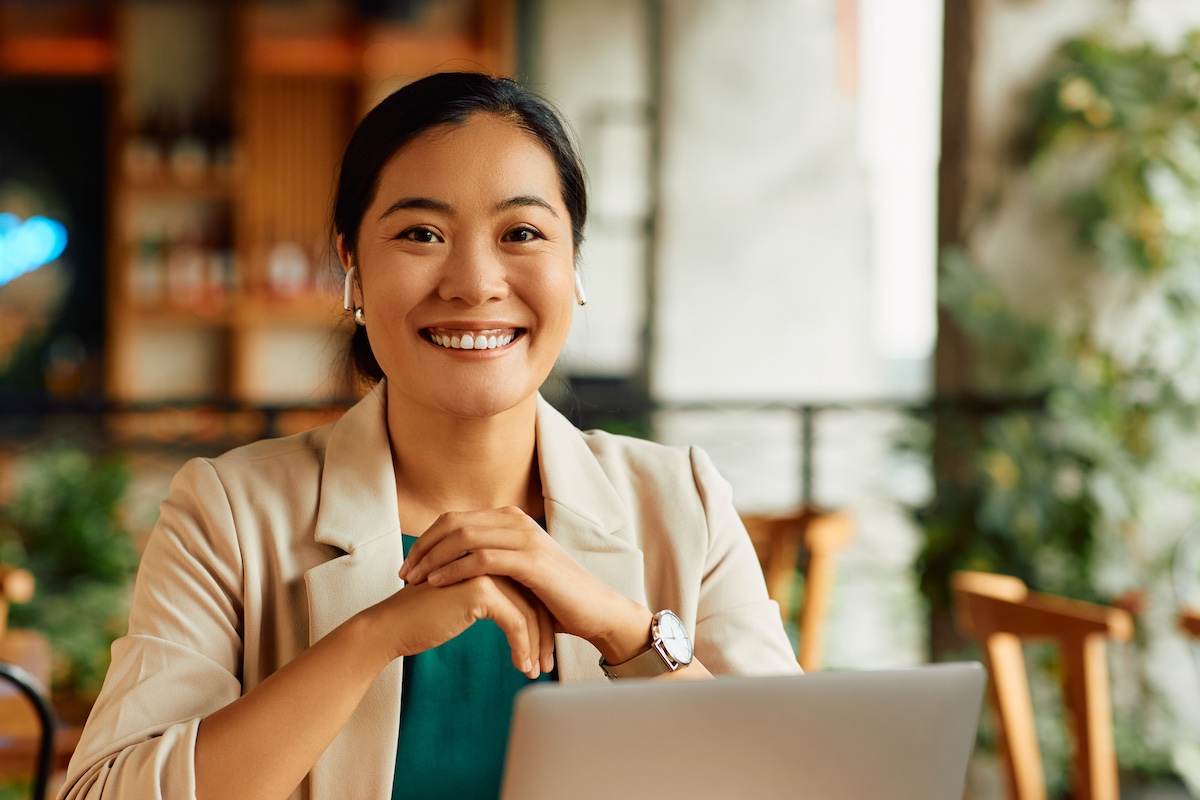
pixel 447 463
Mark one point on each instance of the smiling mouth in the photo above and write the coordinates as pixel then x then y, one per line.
pixel 471 340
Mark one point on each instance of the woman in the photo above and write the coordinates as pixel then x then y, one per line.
pixel 281 643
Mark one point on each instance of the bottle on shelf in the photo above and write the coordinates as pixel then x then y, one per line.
pixel 214 130
pixel 188 154
pixel 143 154
pixel 149 270
pixel 183 260
pixel 289 273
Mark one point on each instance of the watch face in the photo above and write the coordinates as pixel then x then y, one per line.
pixel 674 637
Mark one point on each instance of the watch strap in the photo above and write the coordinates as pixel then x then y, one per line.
pixel 648 664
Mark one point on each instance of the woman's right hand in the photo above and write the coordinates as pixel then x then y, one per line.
pixel 420 617
pixel 298 696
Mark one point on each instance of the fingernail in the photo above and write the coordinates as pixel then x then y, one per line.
pixel 404 570
pixel 549 663
pixel 536 672
pixel 435 578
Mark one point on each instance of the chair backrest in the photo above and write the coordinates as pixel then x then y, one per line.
pixel 16 586
pixel 781 541
pixel 1189 621
pixel 1000 612
pixel 32 690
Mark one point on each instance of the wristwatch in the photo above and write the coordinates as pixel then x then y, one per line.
pixel 670 649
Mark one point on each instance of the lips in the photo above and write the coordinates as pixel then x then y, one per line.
pixel 464 339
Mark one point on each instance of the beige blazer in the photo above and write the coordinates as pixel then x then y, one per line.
pixel 264 550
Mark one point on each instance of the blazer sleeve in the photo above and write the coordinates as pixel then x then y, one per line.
pixel 738 627
pixel 181 658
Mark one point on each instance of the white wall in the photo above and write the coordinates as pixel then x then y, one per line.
pixel 768 274
pixel 795 255
pixel 592 62
pixel 899 140
pixel 764 287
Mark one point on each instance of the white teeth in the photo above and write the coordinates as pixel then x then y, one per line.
pixel 470 341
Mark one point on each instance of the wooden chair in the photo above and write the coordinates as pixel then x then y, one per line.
pixel 30 734
pixel 1000 612
pixel 1189 621
pixel 781 540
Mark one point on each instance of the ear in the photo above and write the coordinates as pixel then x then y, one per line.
pixel 344 254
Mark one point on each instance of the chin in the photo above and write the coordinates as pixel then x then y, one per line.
pixel 482 408
pixel 481 402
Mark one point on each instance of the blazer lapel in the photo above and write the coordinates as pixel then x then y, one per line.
pixel 358 516
pixel 587 517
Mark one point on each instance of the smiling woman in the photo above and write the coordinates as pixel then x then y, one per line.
pixel 380 588
pixel 476 261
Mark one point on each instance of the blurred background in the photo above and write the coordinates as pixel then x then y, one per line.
pixel 928 269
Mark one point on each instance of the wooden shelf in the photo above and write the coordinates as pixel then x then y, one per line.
pixel 209 189
pixel 286 93
pixel 249 310
pixel 329 56
pixel 59 56
pixel 200 424
pixel 208 423
pixel 174 315
pixel 260 310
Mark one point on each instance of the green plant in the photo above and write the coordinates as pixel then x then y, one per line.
pixel 1085 491
pixel 63 525
pixel 15 789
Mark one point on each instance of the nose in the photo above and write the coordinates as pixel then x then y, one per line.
pixel 473 273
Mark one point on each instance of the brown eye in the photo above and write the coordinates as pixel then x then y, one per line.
pixel 522 234
pixel 421 236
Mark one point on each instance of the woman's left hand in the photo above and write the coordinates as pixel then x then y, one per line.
pixel 508 542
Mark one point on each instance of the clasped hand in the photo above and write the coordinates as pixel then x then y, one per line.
pixel 532 587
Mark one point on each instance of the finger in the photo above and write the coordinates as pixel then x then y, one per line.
pixel 456 533
pixel 434 533
pixel 528 607
pixel 546 628
pixel 504 610
pixel 417 566
pixel 497 563
pixel 451 521
pixel 451 546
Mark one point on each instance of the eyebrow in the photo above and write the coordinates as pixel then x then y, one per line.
pixel 525 200
pixel 429 204
pixel 421 203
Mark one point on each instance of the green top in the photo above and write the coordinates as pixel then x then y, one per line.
pixel 456 705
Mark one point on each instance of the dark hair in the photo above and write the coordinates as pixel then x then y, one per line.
pixel 447 98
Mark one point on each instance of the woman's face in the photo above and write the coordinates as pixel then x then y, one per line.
pixel 466 264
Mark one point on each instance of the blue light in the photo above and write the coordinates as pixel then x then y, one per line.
pixel 25 246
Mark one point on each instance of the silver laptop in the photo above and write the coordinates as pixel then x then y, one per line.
pixel 895 734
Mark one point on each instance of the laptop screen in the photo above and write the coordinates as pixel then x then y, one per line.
pixel 901 734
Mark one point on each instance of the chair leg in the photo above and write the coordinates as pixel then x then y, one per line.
pixel 825 535
pixel 1009 696
pixel 781 575
pixel 818 585
pixel 1085 686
